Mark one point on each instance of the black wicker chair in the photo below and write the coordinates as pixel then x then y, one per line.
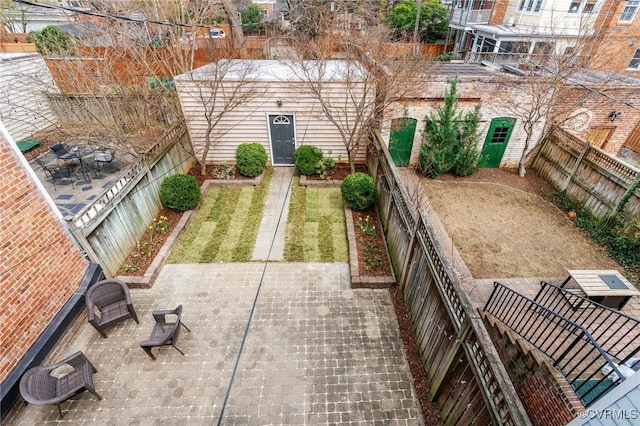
pixel 109 302
pixel 53 384
pixel 164 333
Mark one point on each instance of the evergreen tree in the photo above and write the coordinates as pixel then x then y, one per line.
pixel 439 152
pixel 450 140
pixel 469 157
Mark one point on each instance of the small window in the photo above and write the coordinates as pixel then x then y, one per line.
pixel 635 62
pixel 530 6
pixel 281 119
pixel 574 6
pixel 629 11
pixel 589 7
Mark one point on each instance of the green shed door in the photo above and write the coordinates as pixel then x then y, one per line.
pixel 496 141
pixel 401 140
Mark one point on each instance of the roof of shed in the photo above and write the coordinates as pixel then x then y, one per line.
pixel 269 70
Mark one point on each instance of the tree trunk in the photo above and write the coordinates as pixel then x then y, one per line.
pixel 236 27
pixel 525 150
pixel 205 151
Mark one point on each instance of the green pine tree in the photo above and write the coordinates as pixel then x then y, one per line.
pixel 450 141
pixel 439 152
pixel 469 157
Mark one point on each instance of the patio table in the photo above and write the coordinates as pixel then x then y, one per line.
pixel 607 287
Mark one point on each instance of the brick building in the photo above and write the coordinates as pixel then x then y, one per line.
pixel 43 273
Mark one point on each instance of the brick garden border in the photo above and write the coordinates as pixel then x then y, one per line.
pixel 358 281
pixel 150 275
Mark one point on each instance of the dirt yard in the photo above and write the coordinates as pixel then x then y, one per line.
pixel 504 227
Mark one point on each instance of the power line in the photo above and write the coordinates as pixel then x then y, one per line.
pixel 108 16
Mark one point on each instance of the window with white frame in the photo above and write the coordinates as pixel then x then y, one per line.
pixel 629 11
pixel 635 62
pixel 530 6
pixel 574 6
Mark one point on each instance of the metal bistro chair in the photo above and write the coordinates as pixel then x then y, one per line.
pixel 71 160
pixel 164 333
pixel 109 302
pixel 54 171
pixel 53 384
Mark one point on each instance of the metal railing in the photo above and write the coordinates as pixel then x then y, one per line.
pixel 617 333
pixel 470 16
pixel 570 346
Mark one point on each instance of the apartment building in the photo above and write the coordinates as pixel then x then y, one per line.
pixel 521 26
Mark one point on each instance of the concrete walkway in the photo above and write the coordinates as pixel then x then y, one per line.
pixel 271 233
pixel 271 343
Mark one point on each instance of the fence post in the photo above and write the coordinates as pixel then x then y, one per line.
pixel 449 359
pixel 566 183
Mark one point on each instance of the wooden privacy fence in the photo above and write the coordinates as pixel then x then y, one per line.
pixel 603 185
pixel 469 383
pixel 109 228
pixel 123 111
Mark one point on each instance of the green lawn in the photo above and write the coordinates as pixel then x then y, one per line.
pixel 225 226
pixel 316 230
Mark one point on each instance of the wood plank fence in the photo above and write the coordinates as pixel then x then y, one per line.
pixel 603 185
pixel 123 111
pixel 109 228
pixel 469 383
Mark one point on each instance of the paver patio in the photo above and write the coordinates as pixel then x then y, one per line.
pixel 315 352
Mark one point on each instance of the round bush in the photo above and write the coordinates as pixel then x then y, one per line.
pixel 180 192
pixel 251 159
pixel 307 159
pixel 359 191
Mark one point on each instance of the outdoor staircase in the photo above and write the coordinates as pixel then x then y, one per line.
pixel 579 337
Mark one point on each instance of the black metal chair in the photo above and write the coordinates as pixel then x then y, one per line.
pixel 164 333
pixel 53 384
pixel 109 302
pixel 70 160
pixel 54 171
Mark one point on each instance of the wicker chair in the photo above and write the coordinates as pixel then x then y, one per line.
pixel 164 333
pixel 109 302
pixel 53 384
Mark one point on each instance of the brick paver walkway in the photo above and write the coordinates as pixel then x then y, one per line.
pixel 316 352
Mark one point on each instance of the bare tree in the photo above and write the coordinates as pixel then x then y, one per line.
pixel 219 88
pixel 354 91
pixel 547 80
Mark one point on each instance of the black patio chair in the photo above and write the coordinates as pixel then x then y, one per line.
pixel 53 384
pixel 164 333
pixel 109 302
pixel 54 171
pixel 70 160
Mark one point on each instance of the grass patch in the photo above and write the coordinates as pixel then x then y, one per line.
pixel 225 226
pixel 316 230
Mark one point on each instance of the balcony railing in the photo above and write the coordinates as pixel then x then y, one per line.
pixel 471 16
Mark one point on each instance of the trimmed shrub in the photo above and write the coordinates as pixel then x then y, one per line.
pixel 180 192
pixel 251 158
pixel 307 159
pixel 359 191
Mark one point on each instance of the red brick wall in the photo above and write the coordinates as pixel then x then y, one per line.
pixel 601 106
pixel 545 394
pixel 40 265
pixel 615 49
pixel 498 13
